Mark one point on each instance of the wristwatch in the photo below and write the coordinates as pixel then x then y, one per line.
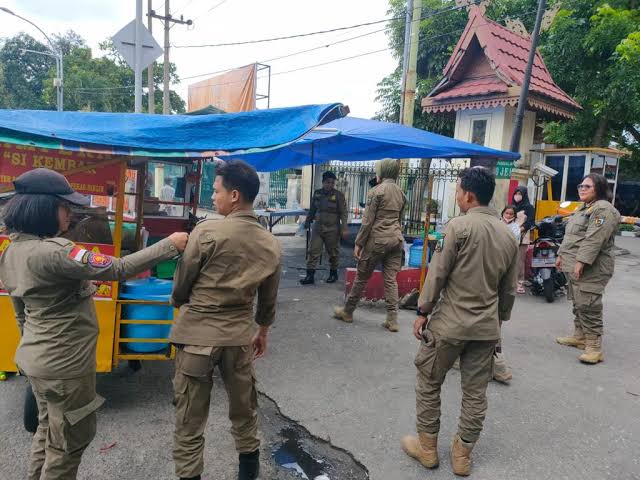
pixel 420 313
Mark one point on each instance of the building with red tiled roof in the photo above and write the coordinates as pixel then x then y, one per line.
pixel 486 70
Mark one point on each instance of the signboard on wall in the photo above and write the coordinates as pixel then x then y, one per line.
pixel 18 159
pixel 503 169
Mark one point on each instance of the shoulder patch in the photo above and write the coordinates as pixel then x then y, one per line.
pixel 599 221
pixel 98 260
pixel 78 254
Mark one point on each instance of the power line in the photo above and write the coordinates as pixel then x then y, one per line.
pixel 424 39
pixel 219 4
pixel 433 13
pixel 270 60
pixel 273 39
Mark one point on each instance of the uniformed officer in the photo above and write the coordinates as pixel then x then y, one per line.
pixel 328 212
pixel 226 263
pixel 48 280
pixel 379 240
pixel 469 289
pixel 586 256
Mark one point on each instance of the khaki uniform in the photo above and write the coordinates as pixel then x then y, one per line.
pixel 48 280
pixel 468 291
pixel 226 263
pixel 589 238
pixel 381 240
pixel 328 213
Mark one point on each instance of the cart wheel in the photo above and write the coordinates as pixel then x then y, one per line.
pixel 135 365
pixel 3 376
pixel 30 414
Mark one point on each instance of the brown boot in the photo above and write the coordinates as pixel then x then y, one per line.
pixel 341 314
pixel 461 457
pixel 576 340
pixel 501 372
pixel 423 448
pixel 593 351
pixel 391 323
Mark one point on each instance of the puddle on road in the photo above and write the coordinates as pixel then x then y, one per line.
pixel 293 456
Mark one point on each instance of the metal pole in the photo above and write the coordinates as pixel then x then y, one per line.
pixel 522 102
pixel 137 70
pixel 150 68
pixel 57 53
pixel 405 55
pixel 166 104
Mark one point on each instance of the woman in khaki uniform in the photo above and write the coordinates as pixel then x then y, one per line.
pixel 48 279
pixel 586 256
pixel 379 240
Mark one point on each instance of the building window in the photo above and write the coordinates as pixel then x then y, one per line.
pixel 479 131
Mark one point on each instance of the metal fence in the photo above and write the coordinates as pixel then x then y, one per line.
pixel 354 177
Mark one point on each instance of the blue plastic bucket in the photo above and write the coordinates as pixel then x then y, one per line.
pixel 146 289
pixel 415 253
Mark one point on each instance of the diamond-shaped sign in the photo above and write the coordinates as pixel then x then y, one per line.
pixel 125 41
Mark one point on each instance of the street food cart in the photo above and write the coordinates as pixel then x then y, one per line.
pixel 123 161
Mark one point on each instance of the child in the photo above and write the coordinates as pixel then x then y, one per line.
pixel 509 217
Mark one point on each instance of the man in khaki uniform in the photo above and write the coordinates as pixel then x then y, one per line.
pixel 48 279
pixel 328 212
pixel 469 289
pixel 226 263
pixel 586 255
pixel 379 240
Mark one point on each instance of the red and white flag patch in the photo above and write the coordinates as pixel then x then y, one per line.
pixel 78 254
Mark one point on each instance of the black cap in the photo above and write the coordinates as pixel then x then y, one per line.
pixel 42 181
pixel 328 174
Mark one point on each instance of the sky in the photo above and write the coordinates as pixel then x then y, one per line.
pixel 352 82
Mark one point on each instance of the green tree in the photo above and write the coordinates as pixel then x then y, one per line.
pixel 91 83
pixel 440 28
pixel 592 51
pixel 24 74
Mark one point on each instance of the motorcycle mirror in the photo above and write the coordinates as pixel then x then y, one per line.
pixel 565 204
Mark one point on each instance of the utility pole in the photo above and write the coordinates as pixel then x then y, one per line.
pixel 168 20
pixel 410 61
pixel 137 70
pixel 150 68
pixel 522 101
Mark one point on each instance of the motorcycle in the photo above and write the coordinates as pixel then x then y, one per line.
pixel 547 279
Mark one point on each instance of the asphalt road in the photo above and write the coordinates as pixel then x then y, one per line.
pixel 353 386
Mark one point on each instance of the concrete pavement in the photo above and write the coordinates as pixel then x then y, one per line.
pixel 353 385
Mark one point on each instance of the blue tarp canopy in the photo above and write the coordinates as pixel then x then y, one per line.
pixel 123 132
pixel 356 139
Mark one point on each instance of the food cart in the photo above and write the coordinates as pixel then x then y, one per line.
pixel 123 161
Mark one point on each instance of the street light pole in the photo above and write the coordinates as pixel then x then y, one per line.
pixel 58 81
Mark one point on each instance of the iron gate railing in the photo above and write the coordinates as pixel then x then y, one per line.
pixel 354 177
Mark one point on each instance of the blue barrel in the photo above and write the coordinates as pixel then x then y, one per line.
pixel 415 253
pixel 146 289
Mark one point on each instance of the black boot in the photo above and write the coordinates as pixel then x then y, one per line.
pixel 333 276
pixel 249 465
pixel 197 477
pixel 309 279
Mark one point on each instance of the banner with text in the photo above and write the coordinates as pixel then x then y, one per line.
pixel 18 159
